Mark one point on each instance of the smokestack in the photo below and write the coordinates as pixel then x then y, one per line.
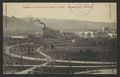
pixel 40 22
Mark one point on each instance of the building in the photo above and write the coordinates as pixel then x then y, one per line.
pixel 86 34
pixel 19 37
pixel 113 35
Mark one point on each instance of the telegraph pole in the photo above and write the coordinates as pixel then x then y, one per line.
pixel 28 45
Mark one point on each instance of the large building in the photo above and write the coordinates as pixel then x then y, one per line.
pixel 86 34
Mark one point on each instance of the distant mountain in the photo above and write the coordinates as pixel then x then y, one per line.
pixel 73 25
pixel 18 26
pixel 76 25
pixel 28 25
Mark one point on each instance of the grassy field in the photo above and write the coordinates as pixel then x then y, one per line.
pixel 11 70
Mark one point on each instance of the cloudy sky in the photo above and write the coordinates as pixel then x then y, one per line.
pixel 99 12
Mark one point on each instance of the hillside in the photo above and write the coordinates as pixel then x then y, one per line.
pixel 27 25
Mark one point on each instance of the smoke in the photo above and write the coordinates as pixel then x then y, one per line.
pixel 37 22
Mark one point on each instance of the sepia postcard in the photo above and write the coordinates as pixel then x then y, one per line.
pixel 60 38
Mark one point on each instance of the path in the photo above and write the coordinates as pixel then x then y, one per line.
pixel 47 58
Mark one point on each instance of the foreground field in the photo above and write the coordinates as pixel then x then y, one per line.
pixel 58 57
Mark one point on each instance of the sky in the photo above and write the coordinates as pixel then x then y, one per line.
pixel 98 12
